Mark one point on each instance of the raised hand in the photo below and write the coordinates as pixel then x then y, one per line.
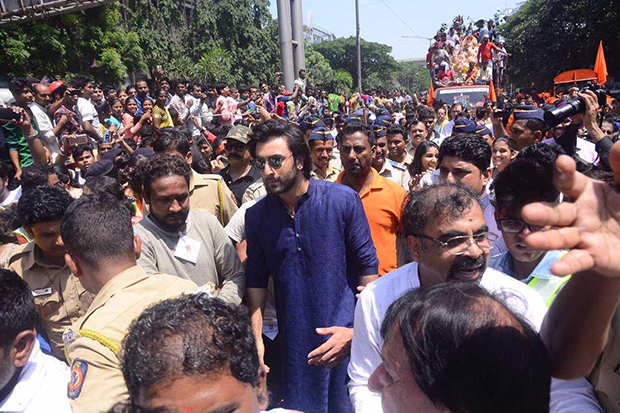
pixel 589 226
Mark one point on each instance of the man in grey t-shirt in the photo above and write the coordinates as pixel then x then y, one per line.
pixel 191 245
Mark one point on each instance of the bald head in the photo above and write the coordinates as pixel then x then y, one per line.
pixel 42 94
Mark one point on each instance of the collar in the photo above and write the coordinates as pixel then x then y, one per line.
pixel 543 269
pixel 375 185
pixel 120 281
pixel 29 383
pixel 485 200
pixel 253 174
pixel 330 171
pixel 188 225
pixel 505 264
pixel 34 255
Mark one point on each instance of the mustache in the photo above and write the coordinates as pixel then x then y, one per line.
pixel 467 262
pixel 233 155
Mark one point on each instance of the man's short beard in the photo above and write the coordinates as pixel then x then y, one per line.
pixel 285 184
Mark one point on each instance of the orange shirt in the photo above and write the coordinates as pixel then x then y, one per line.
pixel 383 203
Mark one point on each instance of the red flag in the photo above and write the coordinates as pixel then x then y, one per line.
pixel 431 95
pixel 492 95
pixel 600 66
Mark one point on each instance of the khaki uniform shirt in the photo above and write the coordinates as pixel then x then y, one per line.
pixel 94 341
pixel 331 175
pixel 210 193
pixel 58 295
pixel 395 173
pixel 256 190
pixel 408 160
pixel 605 377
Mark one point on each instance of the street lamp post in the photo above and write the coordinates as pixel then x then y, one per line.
pixel 359 47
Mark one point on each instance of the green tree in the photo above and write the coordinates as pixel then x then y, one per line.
pixel 547 37
pixel 318 69
pixel 92 41
pixel 413 76
pixel 378 66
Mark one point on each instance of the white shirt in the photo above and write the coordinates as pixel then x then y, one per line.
pixel 447 128
pixel 46 129
pixel 87 113
pixel 235 229
pixel 42 386
pixel 377 297
pixel 194 110
pixel 13 196
pixel 587 151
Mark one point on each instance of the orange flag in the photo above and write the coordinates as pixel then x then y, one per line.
pixel 600 66
pixel 492 95
pixel 431 95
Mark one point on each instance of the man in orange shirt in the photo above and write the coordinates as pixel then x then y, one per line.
pixel 382 198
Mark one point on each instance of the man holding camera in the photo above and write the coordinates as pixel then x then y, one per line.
pixel 584 153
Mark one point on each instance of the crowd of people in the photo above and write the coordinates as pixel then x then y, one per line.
pixel 469 55
pixel 220 249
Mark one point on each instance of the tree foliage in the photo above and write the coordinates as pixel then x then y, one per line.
pixel 228 40
pixel 91 41
pixel 413 76
pixel 378 66
pixel 547 37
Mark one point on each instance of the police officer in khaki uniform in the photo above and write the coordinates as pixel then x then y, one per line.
pixel 210 193
pixel 102 254
pixel 59 297
pixel 207 192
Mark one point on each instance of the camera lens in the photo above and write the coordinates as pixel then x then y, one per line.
pixel 556 116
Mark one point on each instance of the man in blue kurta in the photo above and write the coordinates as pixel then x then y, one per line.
pixel 312 237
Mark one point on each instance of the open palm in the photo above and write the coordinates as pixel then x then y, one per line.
pixel 589 226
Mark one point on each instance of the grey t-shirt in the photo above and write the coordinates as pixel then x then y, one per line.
pixel 217 263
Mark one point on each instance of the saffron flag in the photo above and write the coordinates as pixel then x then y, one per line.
pixel 600 66
pixel 492 95
pixel 431 95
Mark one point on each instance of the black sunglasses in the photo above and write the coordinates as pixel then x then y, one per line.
pixel 275 162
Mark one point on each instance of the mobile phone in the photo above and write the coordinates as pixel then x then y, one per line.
pixel 501 114
pixel 77 140
pixel 8 114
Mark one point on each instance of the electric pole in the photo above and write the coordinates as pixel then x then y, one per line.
pixel 359 47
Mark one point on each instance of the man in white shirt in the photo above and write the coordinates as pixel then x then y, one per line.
pixel 42 99
pixel 194 101
pixel 449 240
pixel 87 114
pixel 30 381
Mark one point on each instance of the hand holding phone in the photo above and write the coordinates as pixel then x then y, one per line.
pixel 11 114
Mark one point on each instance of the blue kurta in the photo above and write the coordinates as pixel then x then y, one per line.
pixel 315 260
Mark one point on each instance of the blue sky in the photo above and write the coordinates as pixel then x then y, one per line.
pixel 379 24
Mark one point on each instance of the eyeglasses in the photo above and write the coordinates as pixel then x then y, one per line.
pixel 515 226
pixel 458 245
pixel 237 147
pixel 275 162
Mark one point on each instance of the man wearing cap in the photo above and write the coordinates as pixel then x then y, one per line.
pixel 240 173
pixel 463 126
pixel 586 153
pixel 388 168
pixel 321 143
pixel 527 128
pixel 382 198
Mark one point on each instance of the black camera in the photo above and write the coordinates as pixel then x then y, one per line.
pixel 555 116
